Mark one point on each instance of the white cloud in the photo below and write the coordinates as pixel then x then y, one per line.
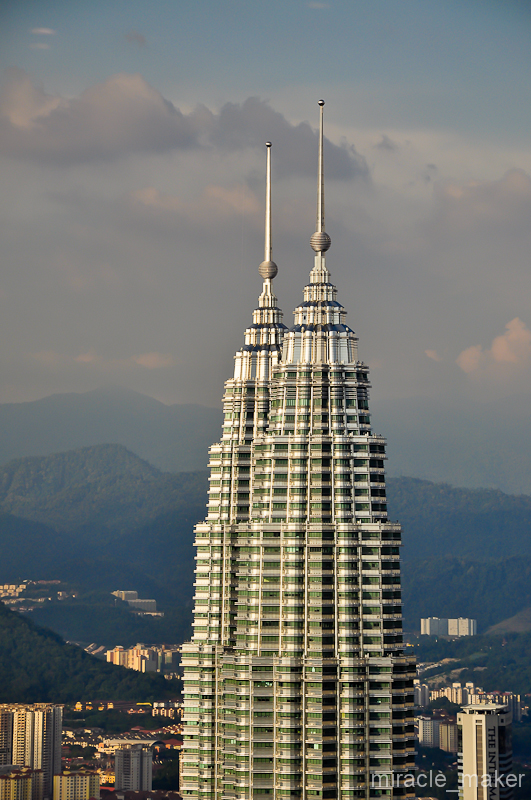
pixel 511 348
pixel 433 355
pixel 113 118
pixel 23 104
pixel 43 31
pixel 471 359
pixel 39 46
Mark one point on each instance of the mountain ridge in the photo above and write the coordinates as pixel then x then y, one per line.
pixel 136 531
pixel 173 438
pixel 464 443
pixel 38 666
pixel 104 488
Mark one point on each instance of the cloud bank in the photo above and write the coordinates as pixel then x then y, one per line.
pixel 484 206
pixel 124 115
pixel 512 348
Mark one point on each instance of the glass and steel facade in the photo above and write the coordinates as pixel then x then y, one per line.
pixel 295 681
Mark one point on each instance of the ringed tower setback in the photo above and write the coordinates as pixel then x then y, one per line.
pixel 295 681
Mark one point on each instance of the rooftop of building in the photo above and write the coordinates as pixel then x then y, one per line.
pixel 10 771
pixel 79 771
pixel 485 708
pixel 112 794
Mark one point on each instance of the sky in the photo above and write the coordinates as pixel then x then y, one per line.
pixel 132 158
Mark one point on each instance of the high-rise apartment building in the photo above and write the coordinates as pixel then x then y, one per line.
pixel 140 658
pixel 296 684
pixel 6 735
pixel 35 738
pixel 448 736
pixel 421 693
pixel 484 744
pixel 133 768
pixel 428 731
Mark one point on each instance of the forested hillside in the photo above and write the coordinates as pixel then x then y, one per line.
pixel 470 444
pixel 496 663
pixel 487 590
pixel 100 518
pixel 441 521
pixel 37 666
pixel 104 490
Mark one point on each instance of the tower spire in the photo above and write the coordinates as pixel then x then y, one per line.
pixel 268 269
pixel 320 240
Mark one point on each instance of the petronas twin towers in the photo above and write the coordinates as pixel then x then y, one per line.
pixel 295 681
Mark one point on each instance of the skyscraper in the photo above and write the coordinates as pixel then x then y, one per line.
pixel 296 685
pixel 133 767
pixel 484 745
pixel 32 738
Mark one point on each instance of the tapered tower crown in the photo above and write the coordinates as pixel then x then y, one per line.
pixel 296 686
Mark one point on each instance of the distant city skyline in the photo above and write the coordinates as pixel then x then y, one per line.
pixel 131 139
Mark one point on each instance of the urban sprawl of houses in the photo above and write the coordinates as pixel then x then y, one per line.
pixel 36 761
pixel 35 751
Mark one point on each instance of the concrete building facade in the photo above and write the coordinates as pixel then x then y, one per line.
pixel 133 766
pixel 448 736
pixel 35 738
pixel 21 783
pixel 81 784
pixel 485 753
pixel 435 626
pixel 6 736
pixel 139 658
pixel 428 731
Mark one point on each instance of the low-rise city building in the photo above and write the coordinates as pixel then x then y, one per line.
pixel 167 709
pixel 435 626
pixel 80 784
pixel 11 589
pixel 110 746
pixel 21 783
pixel 147 606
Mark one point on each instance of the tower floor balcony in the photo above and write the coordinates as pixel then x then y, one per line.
pixel 285 783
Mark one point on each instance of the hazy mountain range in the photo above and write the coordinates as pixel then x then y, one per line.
pixel 100 518
pixel 469 444
pixel 173 438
